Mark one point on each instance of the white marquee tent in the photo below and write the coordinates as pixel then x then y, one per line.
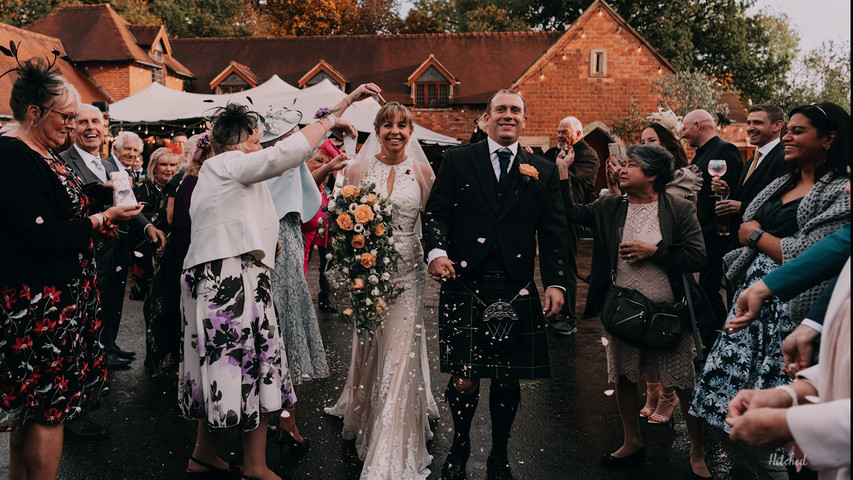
pixel 157 103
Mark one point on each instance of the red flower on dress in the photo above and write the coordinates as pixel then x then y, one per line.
pixel 25 292
pixel 67 312
pixel 53 414
pixel 61 383
pixel 22 343
pixel 44 325
pixel 52 293
pixel 9 296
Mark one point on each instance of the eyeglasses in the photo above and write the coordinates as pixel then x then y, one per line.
pixel 66 117
pixel 563 132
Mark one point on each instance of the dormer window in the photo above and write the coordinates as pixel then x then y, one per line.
pixel 432 84
pixel 234 78
pixel 323 71
pixel 158 53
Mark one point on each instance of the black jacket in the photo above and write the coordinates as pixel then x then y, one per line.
pixel 583 171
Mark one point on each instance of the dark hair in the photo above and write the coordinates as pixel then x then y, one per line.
pixel 511 92
pixel 773 112
pixel 391 110
pixel 828 118
pixel 670 143
pixel 232 126
pixel 37 85
pixel 653 160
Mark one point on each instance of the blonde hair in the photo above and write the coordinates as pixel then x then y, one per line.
pixel 195 154
pixel 390 111
pixel 159 156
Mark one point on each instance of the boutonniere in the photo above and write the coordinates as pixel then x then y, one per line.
pixel 528 171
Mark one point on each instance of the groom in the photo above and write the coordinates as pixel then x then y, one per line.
pixel 488 204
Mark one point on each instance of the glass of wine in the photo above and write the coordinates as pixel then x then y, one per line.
pixel 717 168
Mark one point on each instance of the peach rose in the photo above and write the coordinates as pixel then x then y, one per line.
pixel 379 230
pixel 349 191
pixel 357 241
pixel 529 170
pixel 367 260
pixel 345 221
pixel 363 214
pixel 357 284
pixel 371 199
pixel 380 307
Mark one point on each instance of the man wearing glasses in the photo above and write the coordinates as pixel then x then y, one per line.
pixel 582 174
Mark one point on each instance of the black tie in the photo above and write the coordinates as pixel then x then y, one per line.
pixel 504 155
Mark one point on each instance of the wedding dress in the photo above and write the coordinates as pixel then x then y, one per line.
pixel 387 402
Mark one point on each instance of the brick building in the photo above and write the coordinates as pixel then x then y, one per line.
pixel 120 58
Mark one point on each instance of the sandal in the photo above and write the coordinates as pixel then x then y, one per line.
pixel 652 397
pixel 233 471
pixel 665 403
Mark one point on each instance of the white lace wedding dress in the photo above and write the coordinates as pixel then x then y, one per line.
pixel 387 401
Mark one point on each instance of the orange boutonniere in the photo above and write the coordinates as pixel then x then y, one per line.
pixel 529 171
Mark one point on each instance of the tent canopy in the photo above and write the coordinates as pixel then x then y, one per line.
pixel 157 103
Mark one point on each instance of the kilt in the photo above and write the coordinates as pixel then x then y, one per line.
pixel 463 350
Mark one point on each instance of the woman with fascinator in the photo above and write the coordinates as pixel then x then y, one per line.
pixel 52 364
pixel 387 400
pixel 233 370
pixel 297 199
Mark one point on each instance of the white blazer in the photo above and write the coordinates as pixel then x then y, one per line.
pixel 822 430
pixel 232 211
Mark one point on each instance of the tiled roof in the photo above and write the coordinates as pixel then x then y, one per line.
pixel 144 34
pixel 37 45
pixel 481 62
pixel 96 33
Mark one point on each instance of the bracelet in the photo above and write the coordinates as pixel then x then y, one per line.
pixel 332 118
pixel 106 216
pixel 791 392
pixel 346 99
pixel 99 218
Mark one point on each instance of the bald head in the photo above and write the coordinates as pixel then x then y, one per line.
pixel 698 127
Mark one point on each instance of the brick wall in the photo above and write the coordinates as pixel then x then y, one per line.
pixel 122 81
pixel 456 122
pixel 175 83
pixel 568 89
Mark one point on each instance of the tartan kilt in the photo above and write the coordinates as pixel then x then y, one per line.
pixel 463 351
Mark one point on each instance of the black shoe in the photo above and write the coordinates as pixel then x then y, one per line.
pixel 454 467
pixel 125 354
pixel 636 459
pixel 497 469
pixel 114 361
pixel 325 306
pixel 85 429
pixel 233 472
pixel 285 439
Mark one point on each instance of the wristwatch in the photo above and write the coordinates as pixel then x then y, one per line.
pixel 754 236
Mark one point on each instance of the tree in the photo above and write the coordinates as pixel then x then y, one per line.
pixel 304 17
pixel 23 12
pixel 372 17
pixel 822 75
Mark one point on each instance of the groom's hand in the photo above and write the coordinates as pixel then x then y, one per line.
pixel 441 269
pixel 553 301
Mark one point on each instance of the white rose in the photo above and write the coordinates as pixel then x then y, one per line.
pixel 386 260
pixel 378 217
pixel 375 292
pixel 363 200
pixel 358 258
pixel 386 276
pixel 328 256
pixel 374 253
pixel 390 240
pixel 321 220
pixel 358 228
pixel 345 270
pixel 377 208
pixel 352 207
pixel 373 279
pixel 368 302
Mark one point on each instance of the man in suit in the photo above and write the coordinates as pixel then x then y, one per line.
pixel 127 147
pixel 582 175
pixel 111 256
pixel 489 203
pixel 700 134
pixel 764 126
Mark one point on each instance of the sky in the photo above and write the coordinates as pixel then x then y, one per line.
pixel 816 20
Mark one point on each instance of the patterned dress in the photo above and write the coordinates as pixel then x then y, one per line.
pixel 387 401
pixel 233 368
pixel 297 319
pixel 674 367
pixel 51 360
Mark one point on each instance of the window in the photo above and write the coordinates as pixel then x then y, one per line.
pixel 598 63
pixel 157 53
pixel 432 94
pixel 157 75
pixel 221 89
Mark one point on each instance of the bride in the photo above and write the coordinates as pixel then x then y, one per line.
pixel 387 401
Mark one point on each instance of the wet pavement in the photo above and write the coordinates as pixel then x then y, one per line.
pixel 565 423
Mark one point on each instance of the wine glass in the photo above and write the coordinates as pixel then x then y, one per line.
pixel 717 168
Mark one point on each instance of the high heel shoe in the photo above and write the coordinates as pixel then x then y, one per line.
pixel 285 439
pixel 665 403
pixel 652 397
pixel 635 459
pixel 233 472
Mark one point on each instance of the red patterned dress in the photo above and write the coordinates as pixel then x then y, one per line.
pixel 51 359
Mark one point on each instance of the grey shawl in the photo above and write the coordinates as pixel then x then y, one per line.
pixel 821 212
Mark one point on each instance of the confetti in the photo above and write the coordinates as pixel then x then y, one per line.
pixel 609 392
pixel 39 220
pixel 604 341
pixel 137 254
pixel 481 240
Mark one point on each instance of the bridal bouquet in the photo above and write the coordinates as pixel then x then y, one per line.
pixel 361 251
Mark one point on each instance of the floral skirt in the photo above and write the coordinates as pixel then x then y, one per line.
pixel 748 359
pixel 51 358
pixel 233 368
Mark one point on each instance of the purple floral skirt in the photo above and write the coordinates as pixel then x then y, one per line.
pixel 233 368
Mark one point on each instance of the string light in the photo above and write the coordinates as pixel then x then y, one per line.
pixel 541 75
pixel 639 49
pixel 564 54
pixel 619 29
pixel 583 34
pixel 660 69
pixel 600 13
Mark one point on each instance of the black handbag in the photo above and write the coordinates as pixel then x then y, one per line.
pixel 631 317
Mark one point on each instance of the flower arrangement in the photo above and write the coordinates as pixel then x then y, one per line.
pixel 324 112
pixel 528 171
pixel 361 254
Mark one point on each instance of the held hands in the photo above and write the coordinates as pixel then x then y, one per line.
pixel 725 207
pixel 636 251
pixel 758 418
pixel 720 187
pixel 745 230
pixel 565 159
pixel 749 304
pixel 440 269
pixel 553 301
pixel 798 348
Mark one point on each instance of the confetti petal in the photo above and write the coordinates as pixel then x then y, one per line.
pixel 609 392
pixel 604 341
pixel 39 220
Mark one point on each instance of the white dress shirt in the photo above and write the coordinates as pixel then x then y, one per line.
pixel 764 150
pixel 93 162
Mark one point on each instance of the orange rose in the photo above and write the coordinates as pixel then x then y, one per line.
pixel 380 307
pixel 379 230
pixel 349 191
pixel 367 260
pixel 529 170
pixel 371 199
pixel 345 221
pixel 363 214
pixel 357 285
pixel 357 241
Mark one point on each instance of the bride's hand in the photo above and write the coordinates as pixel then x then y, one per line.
pixel 441 268
pixel 343 127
